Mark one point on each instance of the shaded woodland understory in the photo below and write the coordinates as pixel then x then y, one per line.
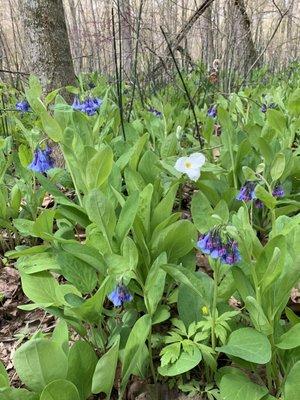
pixel 149 201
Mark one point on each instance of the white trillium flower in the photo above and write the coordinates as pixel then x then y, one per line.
pixel 191 165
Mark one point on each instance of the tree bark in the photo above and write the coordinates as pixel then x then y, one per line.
pixel 247 53
pixel 47 43
pixel 207 40
pixel 126 34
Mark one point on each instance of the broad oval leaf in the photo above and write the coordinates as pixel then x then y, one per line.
pixel 60 389
pixel 39 362
pixel 185 363
pixel 248 344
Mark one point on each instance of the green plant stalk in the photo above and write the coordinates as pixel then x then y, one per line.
pixel 214 305
pixel 152 368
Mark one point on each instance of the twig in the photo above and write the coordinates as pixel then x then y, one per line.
pixel 200 138
pixel 136 57
pixel 14 72
pixel 118 72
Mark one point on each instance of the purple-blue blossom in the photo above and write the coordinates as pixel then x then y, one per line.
pixel 42 160
pixel 278 191
pixel 89 106
pixel 155 112
pixel 226 250
pixel 212 111
pixel 120 295
pixel 23 106
pixel 247 192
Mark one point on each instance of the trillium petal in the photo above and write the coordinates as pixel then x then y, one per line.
pixel 193 174
pixel 197 159
pixel 180 164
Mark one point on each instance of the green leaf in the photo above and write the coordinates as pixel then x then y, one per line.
pixel 278 166
pixel 164 207
pixel 265 197
pixel 188 278
pixel 294 102
pixel 51 127
pixel 155 284
pixel 101 211
pixel 276 120
pixel 17 394
pixel 90 310
pixel 4 378
pixel 290 339
pixel 104 375
pixel 99 168
pixel 201 212
pixel 77 272
pixel 258 316
pixel 292 384
pixel 176 240
pixel 127 216
pixel 249 174
pixel 134 345
pixel 60 335
pixel 82 361
pixel 60 389
pixel 39 362
pixel 239 387
pixel 44 224
pixel 41 288
pixel 185 362
pixel 249 345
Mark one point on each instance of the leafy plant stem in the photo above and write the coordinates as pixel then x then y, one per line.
pixel 214 305
pixel 151 359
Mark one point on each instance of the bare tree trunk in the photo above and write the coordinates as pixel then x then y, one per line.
pixel 245 45
pixel 208 52
pixel 126 33
pixel 47 43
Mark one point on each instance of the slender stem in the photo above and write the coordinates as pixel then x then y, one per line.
pixel 136 57
pixel 214 305
pixel 151 359
pixel 200 138
pixel 118 68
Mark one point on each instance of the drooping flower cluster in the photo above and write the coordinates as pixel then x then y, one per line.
pixel 155 112
pixel 89 106
pixel 223 248
pixel 120 295
pixel 42 160
pixel 212 111
pixel 278 191
pixel 247 191
pixel 23 106
pixel 191 165
pixel 265 107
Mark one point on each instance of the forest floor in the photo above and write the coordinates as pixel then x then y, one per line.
pixel 17 325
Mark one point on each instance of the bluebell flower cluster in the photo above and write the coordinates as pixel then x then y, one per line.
pixel 265 107
pixel 278 191
pixel 42 160
pixel 23 106
pixel 224 249
pixel 120 295
pixel 212 111
pixel 155 112
pixel 89 106
pixel 258 204
pixel 247 191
